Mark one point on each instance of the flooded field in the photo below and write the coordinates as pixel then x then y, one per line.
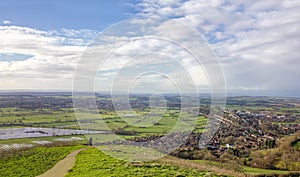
pixel 37 142
pixel 15 146
pixel 30 132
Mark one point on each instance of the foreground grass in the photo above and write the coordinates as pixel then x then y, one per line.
pixel 32 162
pixel 92 162
pixel 251 170
pixel 243 169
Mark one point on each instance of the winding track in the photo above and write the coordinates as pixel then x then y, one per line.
pixel 62 167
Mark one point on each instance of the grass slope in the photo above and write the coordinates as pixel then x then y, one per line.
pixel 92 162
pixel 32 162
pixel 240 168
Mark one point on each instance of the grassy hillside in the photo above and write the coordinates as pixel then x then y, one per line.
pixel 32 162
pixel 240 168
pixel 92 162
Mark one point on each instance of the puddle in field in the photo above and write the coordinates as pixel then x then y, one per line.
pixel 14 146
pixel 69 139
pixel 42 142
pixel 30 132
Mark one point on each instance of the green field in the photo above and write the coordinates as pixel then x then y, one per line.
pixel 65 118
pixel 37 117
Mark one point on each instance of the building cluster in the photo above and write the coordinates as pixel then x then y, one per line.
pixel 245 131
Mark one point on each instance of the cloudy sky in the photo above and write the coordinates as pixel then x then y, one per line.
pixel 256 43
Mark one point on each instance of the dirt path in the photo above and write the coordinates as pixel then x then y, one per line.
pixel 62 167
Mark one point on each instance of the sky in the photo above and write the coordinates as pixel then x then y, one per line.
pixel 255 42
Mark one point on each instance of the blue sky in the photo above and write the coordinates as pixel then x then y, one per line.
pixel 70 14
pixel 256 42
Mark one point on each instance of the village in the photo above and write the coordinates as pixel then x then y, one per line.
pixel 242 132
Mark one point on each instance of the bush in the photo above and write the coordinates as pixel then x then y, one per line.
pixel 121 131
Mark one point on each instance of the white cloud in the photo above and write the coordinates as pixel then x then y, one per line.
pixel 152 54
pixel 257 41
pixel 53 59
pixel 6 22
